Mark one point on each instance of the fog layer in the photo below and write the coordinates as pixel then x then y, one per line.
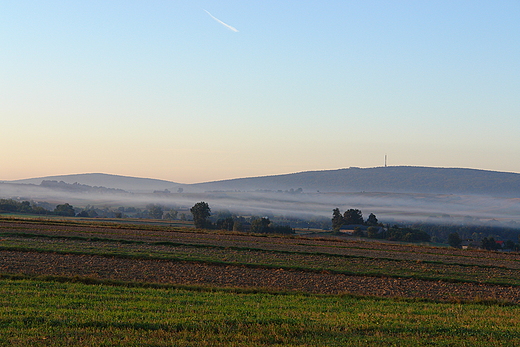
pixel 389 207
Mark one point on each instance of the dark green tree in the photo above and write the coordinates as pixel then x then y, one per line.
pixel 83 214
pixel 396 233
pixel 92 213
pixel 9 205
pixel 372 220
pixel 225 223
pixel 264 226
pixel 155 211
pixel 282 229
pixel 454 240
pixel 25 207
pixel 260 225
pixel 201 212
pixel 373 232
pixel 65 210
pixel 509 245
pixel 352 217
pixel 337 219
pixel 171 215
pixel 489 243
pixel 238 226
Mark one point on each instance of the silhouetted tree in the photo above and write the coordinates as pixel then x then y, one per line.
pixel 238 226
pixel 65 210
pixel 264 226
pixel 260 225
pixel 83 213
pixel 201 213
pixel 92 213
pixel 225 223
pixel 337 219
pixel 353 216
pixel 373 232
pixel 282 229
pixel 372 220
pixel 155 211
pixel 489 243
pixel 9 205
pixel 454 240
pixel 396 233
pixel 171 215
pixel 509 244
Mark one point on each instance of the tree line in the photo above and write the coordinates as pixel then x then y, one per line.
pixel 13 206
pixel 372 228
pixel 67 210
pixel 201 213
pixel 489 243
pixel 474 235
pixel 479 236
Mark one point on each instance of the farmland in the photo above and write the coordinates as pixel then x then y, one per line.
pixel 66 282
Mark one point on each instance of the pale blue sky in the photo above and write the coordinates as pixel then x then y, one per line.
pixel 159 89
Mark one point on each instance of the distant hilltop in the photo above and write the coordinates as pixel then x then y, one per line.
pixel 393 179
pixel 130 184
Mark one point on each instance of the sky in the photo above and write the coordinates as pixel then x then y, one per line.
pixel 168 90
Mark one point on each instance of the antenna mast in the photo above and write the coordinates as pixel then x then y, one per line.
pixel 385 160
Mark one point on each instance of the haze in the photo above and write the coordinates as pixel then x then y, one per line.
pixel 159 89
pixel 394 194
pixel 389 207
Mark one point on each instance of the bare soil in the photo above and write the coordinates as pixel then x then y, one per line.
pixel 196 273
pixel 190 273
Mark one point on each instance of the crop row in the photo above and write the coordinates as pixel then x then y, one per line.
pixel 346 264
pixel 345 253
pixel 334 246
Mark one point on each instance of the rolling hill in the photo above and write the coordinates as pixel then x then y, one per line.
pixel 398 193
pixel 395 179
pixel 130 184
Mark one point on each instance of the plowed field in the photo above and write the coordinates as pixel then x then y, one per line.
pixel 188 257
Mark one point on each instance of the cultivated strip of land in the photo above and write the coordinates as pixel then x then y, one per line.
pixel 180 256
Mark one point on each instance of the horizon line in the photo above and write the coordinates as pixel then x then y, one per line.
pixel 249 177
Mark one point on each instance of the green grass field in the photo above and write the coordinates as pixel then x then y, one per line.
pixel 41 310
pixel 41 313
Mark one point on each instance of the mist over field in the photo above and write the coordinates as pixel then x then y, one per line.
pixel 393 194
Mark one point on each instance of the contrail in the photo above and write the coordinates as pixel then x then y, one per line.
pixel 221 22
